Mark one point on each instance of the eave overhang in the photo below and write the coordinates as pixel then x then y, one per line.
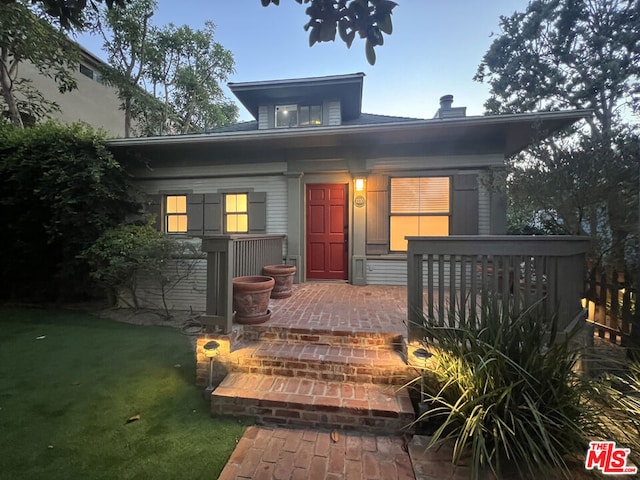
pixel 499 134
pixel 346 88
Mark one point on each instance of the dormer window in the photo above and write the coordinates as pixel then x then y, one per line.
pixel 298 115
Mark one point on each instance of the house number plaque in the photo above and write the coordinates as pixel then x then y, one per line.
pixel 359 201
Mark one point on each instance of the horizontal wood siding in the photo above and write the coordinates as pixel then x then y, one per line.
pixel 334 115
pixel 394 272
pixel 189 294
pixel 274 186
pixel 484 210
pixel 263 117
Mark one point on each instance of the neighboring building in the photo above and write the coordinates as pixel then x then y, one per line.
pixel 345 187
pixel 92 102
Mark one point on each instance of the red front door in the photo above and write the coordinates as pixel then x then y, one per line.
pixel 327 226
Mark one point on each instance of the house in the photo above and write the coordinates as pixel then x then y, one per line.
pixel 344 187
pixel 92 102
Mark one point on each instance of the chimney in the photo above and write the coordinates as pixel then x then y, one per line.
pixel 447 111
pixel 445 102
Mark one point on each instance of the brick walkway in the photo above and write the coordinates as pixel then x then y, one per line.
pixel 280 453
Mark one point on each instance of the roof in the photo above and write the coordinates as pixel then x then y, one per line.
pixel 347 88
pixel 363 119
pixel 372 135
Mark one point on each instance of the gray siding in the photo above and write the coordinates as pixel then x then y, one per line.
pixel 263 117
pixel 188 294
pixel 275 188
pixel 484 210
pixel 334 114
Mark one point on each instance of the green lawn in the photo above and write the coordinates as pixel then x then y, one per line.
pixel 65 400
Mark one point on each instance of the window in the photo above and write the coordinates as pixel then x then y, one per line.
pixel 419 207
pixel 236 213
pixel 294 115
pixel 176 214
pixel 86 71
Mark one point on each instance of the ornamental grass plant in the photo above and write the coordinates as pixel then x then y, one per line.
pixel 506 391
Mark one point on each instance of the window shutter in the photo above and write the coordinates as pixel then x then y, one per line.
pixel 377 215
pixel 195 214
pixel 212 214
pixel 464 214
pixel 257 210
pixel 153 207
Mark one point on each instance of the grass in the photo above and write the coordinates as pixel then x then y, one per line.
pixel 65 400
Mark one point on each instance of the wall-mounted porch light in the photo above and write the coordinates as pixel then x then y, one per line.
pixel 359 184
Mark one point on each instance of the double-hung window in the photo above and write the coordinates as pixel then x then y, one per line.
pixel 176 213
pixel 420 206
pixel 236 213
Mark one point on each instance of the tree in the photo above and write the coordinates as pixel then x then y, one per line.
pixel 127 42
pixel 574 54
pixel 368 18
pixel 168 77
pixel 26 37
pixel 185 68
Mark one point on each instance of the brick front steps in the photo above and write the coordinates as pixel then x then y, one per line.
pixel 312 377
pixel 291 401
pixel 321 362
pixel 320 336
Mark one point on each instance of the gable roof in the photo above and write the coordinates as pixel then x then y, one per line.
pixel 347 88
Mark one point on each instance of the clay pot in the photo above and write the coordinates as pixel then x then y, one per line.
pixel 283 275
pixel 251 299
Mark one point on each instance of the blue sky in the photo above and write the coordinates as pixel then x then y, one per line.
pixel 435 49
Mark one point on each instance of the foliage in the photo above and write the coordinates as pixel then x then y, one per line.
pixel 25 37
pixel 185 68
pixel 574 54
pixel 97 374
pixel 61 188
pixel 507 392
pixel 583 189
pixel 125 255
pixel 564 54
pixel 368 18
pixel 167 77
pixel 505 389
pixel 127 46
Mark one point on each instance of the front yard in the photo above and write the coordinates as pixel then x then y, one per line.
pixel 70 382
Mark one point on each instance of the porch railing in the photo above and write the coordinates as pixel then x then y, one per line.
pixel 449 277
pixel 231 256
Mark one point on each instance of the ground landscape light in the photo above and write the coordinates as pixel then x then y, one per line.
pixel 210 351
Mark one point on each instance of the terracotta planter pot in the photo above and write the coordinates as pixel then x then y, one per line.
pixel 251 299
pixel 283 275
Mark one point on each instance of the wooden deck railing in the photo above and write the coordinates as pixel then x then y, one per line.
pixel 231 256
pixel 449 277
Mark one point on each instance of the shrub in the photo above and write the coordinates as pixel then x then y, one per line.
pixel 506 390
pixel 124 254
pixel 61 188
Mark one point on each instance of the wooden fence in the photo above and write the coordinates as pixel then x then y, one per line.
pixel 612 303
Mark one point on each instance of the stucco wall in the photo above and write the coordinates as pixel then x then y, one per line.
pixel 92 102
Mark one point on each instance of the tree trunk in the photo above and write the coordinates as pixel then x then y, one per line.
pixel 7 91
pixel 127 118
